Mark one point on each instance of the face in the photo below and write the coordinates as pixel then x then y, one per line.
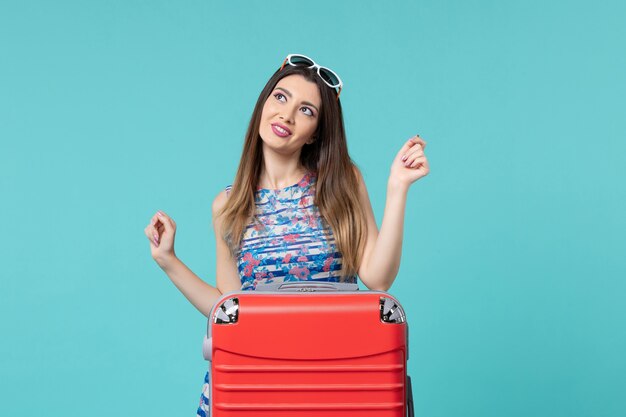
pixel 290 115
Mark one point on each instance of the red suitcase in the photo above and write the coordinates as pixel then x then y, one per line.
pixel 308 350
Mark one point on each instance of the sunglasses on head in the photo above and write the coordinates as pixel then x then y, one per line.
pixel 327 75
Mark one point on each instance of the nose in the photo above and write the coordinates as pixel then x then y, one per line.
pixel 287 114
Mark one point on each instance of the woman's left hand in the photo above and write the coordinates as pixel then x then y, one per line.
pixel 410 164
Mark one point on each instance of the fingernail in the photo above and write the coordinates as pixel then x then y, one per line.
pixel 404 158
pixel 160 213
pixel 156 237
pixel 155 242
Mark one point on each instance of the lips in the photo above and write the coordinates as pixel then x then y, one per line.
pixel 280 130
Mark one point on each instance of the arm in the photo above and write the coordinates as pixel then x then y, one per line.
pixel 161 233
pixel 383 250
pixel 202 295
pixel 198 292
pixel 227 276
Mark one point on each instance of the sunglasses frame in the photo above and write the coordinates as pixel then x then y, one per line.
pixel 315 66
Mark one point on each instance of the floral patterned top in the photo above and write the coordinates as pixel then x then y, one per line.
pixel 288 240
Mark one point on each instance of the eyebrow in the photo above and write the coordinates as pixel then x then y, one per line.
pixel 304 102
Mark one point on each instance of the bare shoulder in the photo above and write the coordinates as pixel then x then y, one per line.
pixel 359 178
pixel 219 202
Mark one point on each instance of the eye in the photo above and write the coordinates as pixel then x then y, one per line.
pixel 277 96
pixel 310 112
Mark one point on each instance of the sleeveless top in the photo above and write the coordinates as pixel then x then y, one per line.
pixel 287 239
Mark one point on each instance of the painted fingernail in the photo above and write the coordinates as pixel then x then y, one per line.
pixel 160 213
pixel 155 242
pixel 156 237
pixel 404 158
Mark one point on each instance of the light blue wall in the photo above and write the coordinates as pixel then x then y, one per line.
pixel 513 274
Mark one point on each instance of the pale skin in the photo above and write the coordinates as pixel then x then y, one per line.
pixel 294 103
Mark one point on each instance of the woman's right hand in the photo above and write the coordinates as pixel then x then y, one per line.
pixel 160 233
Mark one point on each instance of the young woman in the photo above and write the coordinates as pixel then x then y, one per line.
pixel 298 208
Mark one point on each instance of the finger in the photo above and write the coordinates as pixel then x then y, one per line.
pixel 413 152
pixel 416 144
pixel 418 161
pixel 159 221
pixel 419 144
pixel 156 228
pixel 157 232
pixel 165 218
pixel 152 235
pixel 422 167
pixel 407 145
pixel 411 159
pixel 418 139
pixel 156 224
pixel 156 218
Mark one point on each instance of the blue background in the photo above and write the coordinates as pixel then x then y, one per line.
pixel 513 267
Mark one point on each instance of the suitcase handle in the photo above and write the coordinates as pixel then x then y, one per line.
pixel 307 286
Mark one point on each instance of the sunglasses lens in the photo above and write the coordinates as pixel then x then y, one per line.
pixel 330 77
pixel 300 60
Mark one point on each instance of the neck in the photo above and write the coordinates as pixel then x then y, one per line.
pixel 280 171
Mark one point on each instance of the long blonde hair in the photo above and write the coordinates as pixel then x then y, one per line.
pixel 337 189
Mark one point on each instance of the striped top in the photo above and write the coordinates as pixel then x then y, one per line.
pixel 287 239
